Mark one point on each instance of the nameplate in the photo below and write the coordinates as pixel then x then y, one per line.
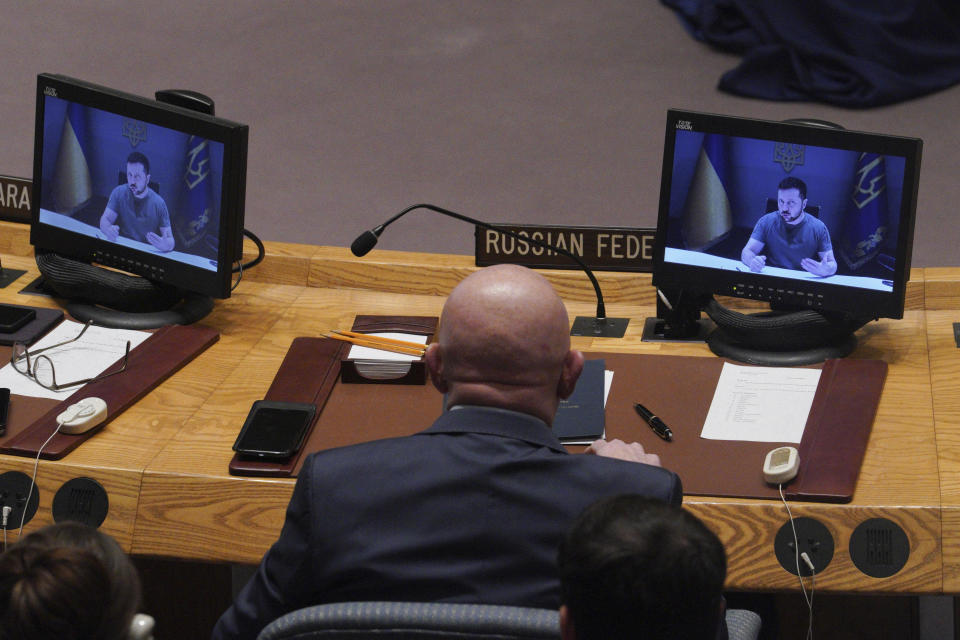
pixel 605 248
pixel 15 196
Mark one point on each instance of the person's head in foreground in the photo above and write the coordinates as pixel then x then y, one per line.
pixel 68 581
pixel 632 567
pixel 504 341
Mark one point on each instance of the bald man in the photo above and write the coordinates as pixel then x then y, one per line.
pixel 471 509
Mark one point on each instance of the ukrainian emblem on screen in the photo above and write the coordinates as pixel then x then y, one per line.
pixel 135 132
pixel 198 162
pixel 865 225
pixel 197 215
pixel 788 155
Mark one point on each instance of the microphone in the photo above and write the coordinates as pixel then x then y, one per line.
pixel 598 327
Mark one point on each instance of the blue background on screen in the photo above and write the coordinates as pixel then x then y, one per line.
pixel 753 176
pixel 106 150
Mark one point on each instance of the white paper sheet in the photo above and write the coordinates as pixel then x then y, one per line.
pixel 761 404
pixel 86 358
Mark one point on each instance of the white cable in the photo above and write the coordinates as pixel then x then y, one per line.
pixel 796 551
pixel 66 416
pixel 813 586
pixel 4 518
pixel 663 297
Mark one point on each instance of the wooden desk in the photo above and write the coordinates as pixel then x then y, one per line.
pixel 164 462
pixel 943 302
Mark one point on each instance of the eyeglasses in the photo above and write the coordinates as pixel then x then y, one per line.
pixel 41 369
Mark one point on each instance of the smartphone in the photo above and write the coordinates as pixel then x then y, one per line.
pixel 274 430
pixel 13 317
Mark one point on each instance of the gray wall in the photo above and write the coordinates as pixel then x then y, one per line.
pixel 527 111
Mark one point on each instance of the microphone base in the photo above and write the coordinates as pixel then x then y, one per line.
pixel 592 327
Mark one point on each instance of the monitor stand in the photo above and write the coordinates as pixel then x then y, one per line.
pixel 118 300
pixel 679 320
pixel 781 338
pixel 190 309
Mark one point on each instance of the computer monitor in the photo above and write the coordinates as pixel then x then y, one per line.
pixel 729 224
pixel 151 188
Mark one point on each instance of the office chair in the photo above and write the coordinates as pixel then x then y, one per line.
pixel 439 621
pixel 812 209
pixel 743 624
pixel 414 621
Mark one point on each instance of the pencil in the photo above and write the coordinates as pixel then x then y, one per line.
pixel 375 343
pixel 371 337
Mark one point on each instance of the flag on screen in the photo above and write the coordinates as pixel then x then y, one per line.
pixel 865 225
pixel 196 219
pixel 71 176
pixel 707 216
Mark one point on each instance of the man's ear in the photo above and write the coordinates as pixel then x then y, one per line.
pixel 567 632
pixel 435 367
pixel 572 367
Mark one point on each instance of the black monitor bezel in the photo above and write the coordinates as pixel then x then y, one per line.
pixel 156 267
pixel 696 280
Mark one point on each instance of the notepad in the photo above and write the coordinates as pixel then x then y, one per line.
pixel 376 364
pixel 580 418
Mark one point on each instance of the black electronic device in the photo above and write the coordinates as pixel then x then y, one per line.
pixel 4 409
pixel 196 166
pixel 718 174
pixel 274 429
pixel 13 317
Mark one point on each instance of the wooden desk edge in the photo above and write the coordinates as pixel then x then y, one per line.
pixel 437 274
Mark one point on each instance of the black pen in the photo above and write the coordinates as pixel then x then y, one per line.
pixel 658 426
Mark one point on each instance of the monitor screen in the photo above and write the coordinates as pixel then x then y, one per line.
pixel 799 214
pixel 128 182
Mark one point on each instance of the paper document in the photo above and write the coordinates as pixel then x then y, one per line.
pixel 761 404
pixel 88 357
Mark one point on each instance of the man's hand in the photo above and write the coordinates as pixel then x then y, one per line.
pixel 617 448
pixel 160 243
pixel 757 263
pixel 107 226
pixel 750 255
pixel 817 267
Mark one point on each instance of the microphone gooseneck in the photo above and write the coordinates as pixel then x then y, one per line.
pixel 366 241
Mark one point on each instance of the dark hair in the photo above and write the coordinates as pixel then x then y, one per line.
pixel 634 567
pixel 136 157
pixel 67 581
pixel 794 183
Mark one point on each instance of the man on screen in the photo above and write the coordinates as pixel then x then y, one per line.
pixel 136 211
pixel 789 237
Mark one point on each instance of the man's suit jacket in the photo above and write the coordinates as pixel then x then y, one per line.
pixel 470 510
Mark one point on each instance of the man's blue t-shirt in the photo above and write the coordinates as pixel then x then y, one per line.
pixel 785 245
pixel 137 217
